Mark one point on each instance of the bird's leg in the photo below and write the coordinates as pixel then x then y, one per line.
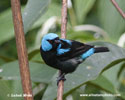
pixel 61 77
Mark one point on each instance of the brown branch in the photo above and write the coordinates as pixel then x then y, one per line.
pixel 64 19
pixel 118 8
pixel 21 50
pixel 63 35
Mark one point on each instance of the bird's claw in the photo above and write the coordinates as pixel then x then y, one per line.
pixel 61 77
pixel 58 80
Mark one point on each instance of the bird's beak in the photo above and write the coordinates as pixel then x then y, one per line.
pixel 57 41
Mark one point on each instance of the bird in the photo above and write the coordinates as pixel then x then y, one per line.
pixel 64 54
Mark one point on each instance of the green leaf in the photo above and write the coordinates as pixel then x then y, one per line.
pixel 112 64
pixel 4 86
pixel 103 83
pixel 91 89
pixel 122 83
pixel 33 53
pixel 6 26
pixel 111 75
pixel 16 88
pixel 77 92
pixel 110 18
pixel 86 71
pixel 33 10
pixel 10 88
pixel 39 72
pixel 82 7
pixel 6 59
pixel 122 69
pixel 53 10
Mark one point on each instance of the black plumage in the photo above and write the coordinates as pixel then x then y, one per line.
pixel 66 55
pixel 65 62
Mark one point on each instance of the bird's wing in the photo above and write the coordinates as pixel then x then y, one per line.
pixel 70 48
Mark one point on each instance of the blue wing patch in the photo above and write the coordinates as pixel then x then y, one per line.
pixel 88 53
pixel 68 41
pixel 62 51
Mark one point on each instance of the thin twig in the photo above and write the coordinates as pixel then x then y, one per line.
pixel 64 19
pixel 21 50
pixel 118 8
pixel 63 35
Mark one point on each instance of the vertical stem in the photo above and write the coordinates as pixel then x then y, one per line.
pixel 63 35
pixel 118 8
pixel 64 19
pixel 21 50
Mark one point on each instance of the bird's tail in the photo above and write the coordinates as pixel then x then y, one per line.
pixel 101 49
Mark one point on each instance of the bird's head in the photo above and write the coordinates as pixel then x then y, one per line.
pixel 50 41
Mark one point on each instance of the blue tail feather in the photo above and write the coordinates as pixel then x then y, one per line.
pixel 88 53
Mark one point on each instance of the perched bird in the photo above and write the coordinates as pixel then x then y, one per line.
pixel 64 54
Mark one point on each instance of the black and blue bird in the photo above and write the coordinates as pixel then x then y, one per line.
pixel 64 54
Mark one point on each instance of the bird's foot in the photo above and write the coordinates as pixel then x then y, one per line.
pixel 61 77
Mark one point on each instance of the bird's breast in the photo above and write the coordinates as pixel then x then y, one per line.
pixel 49 58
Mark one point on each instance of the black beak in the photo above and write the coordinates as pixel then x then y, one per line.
pixel 57 41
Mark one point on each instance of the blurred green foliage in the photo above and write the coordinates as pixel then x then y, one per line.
pixel 100 76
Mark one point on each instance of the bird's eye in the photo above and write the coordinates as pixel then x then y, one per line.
pixel 50 41
pixel 57 38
